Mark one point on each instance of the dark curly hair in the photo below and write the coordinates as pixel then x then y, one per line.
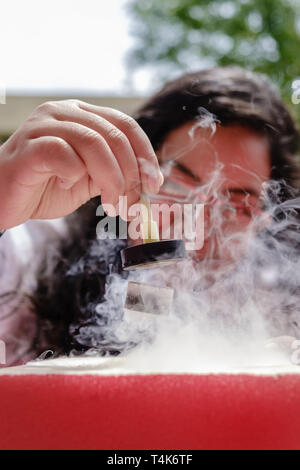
pixel 233 95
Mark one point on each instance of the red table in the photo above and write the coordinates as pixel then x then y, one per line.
pixel 176 411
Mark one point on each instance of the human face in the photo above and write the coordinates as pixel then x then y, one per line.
pixel 225 170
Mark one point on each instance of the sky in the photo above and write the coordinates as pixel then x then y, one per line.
pixel 60 46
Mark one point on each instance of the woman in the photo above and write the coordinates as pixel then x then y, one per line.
pixel 224 130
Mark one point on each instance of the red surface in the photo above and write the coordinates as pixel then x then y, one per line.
pixel 150 412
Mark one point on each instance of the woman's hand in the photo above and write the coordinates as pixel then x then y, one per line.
pixel 67 152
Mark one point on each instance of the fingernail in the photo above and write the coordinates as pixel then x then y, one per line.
pixel 153 185
pixel 161 178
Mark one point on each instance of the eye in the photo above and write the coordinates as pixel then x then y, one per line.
pixel 179 186
pixel 244 204
pixel 232 211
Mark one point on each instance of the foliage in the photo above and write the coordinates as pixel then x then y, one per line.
pixel 184 35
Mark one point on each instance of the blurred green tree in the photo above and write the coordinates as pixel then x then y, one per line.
pixel 184 35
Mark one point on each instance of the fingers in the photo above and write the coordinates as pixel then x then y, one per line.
pixel 116 152
pixel 94 153
pixel 117 141
pixel 49 155
pixel 143 150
